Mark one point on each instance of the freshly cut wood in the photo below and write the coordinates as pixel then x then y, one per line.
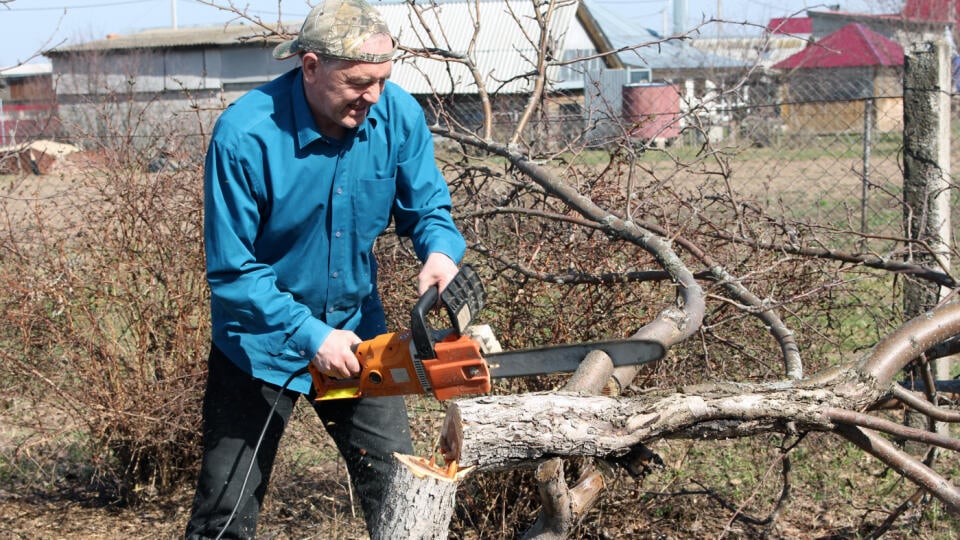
pixel 419 500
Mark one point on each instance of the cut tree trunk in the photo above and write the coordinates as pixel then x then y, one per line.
pixel 419 501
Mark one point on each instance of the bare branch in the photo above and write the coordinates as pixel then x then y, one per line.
pixel 903 463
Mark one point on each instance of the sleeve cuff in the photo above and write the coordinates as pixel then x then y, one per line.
pixel 455 249
pixel 306 341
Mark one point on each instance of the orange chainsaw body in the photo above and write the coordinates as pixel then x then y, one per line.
pixel 390 368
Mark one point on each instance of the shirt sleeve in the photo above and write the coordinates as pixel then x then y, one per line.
pixel 240 284
pixel 423 204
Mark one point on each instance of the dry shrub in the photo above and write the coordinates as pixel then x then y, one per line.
pixel 106 306
pixel 552 279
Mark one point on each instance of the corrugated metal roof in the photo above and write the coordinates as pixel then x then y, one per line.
pixel 764 50
pixel 163 38
pixel 660 54
pixel 854 45
pixel 501 38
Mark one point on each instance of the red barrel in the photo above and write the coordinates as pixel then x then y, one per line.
pixel 651 111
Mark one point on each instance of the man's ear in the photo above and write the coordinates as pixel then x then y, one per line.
pixel 311 64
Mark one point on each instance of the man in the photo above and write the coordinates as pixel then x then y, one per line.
pixel 302 174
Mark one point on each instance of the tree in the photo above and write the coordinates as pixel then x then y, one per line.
pixel 545 191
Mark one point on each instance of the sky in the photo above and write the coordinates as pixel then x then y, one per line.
pixel 29 26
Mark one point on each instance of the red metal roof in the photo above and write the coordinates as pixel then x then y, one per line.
pixel 854 45
pixel 931 10
pixel 790 25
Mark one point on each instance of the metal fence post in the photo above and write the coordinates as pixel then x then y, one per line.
pixel 868 105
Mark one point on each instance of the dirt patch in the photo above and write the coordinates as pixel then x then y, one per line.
pixel 289 512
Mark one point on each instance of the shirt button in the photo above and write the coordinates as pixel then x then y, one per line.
pixel 303 353
pixel 329 310
pixel 339 190
pixel 334 275
pixel 337 234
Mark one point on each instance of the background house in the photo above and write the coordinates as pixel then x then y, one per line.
pixel 27 104
pixel 831 81
pixel 159 77
pixel 917 20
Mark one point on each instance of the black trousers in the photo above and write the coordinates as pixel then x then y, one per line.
pixel 235 408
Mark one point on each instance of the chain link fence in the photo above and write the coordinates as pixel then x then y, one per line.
pixel 820 147
pixel 817 153
pixel 829 143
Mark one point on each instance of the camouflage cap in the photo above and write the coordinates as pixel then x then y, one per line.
pixel 338 29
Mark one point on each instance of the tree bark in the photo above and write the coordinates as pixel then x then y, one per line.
pixel 417 504
pixel 563 506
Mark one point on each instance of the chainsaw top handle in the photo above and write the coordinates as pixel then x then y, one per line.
pixel 420 330
pixel 463 298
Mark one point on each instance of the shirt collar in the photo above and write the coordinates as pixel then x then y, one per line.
pixel 307 130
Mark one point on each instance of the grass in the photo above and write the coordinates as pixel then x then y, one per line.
pixel 790 148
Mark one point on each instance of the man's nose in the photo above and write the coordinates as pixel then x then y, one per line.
pixel 372 95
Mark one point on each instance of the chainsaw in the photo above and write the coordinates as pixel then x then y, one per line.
pixel 457 361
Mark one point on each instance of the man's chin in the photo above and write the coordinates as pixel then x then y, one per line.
pixel 354 118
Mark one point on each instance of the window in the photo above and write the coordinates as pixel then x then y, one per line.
pixel 638 75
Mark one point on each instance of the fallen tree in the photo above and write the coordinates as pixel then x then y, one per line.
pixel 512 431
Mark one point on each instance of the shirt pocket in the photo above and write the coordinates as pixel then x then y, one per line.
pixel 373 205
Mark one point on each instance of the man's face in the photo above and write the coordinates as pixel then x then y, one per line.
pixel 340 92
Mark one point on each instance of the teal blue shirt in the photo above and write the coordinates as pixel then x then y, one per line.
pixel 291 217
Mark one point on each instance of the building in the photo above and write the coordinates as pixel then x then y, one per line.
pixel 170 79
pixel 193 73
pixel 27 104
pixel 918 20
pixel 831 85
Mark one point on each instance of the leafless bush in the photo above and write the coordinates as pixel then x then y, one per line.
pixel 105 311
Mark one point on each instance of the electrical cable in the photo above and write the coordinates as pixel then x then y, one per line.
pixel 256 448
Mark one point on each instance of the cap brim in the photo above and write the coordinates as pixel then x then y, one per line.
pixel 286 49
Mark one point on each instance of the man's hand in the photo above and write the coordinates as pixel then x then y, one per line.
pixel 335 357
pixel 439 270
